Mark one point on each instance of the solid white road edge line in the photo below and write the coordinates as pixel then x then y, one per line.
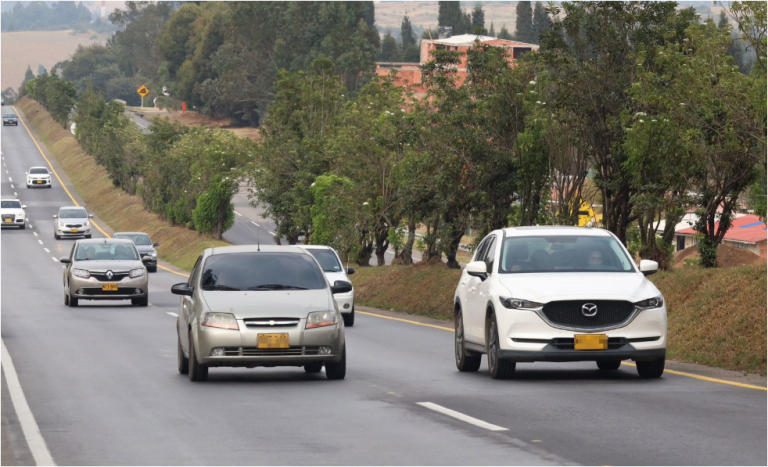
pixel 461 416
pixel 172 313
pixel 27 421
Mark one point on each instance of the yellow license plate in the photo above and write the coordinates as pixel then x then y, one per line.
pixel 8 219
pixel 73 230
pixel 109 287
pixel 273 341
pixel 39 182
pixel 590 342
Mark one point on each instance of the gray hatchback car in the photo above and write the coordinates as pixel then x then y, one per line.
pixel 105 269
pixel 249 306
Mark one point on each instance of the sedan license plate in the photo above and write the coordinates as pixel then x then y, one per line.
pixel 39 182
pixel 73 230
pixel 273 341
pixel 109 287
pixel 590 342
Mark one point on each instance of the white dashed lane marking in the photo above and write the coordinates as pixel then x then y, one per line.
pixel 54 259
pixel 172 314
pixel 461 416
pixel 257 225
pixel 47 250
pixel 238 213
pixel 41 242
pixel 271 233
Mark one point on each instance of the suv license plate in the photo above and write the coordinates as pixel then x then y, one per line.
pixel 39 182
pixel 109 287
pixel 73 230
pixel 590 342
pixel 7 219
pixel 273 341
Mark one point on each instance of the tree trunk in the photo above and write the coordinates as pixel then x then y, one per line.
pixel 382 243
pixel 406 256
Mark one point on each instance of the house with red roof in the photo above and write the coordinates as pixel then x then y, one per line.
pixel 746 232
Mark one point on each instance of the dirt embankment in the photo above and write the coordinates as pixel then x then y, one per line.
pixel 727 257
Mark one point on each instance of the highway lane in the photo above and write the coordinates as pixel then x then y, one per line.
pixel 101 382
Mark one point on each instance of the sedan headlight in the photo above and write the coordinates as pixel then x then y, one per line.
pixel 84 273
pixel 319 319
pixel 86 224
pixel 220 320
pixel 61 225
pixel 518 304
pixel 655 302
pixel 137 272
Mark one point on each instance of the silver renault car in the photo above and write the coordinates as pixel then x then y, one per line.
pixel 250 306
pixel 105 269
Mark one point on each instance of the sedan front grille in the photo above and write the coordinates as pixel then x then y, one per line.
pixel 74 226
pixel 567 343
pixel 102 276
pixel 257 352
pixel 569 313
pixel 271 322
pixel 98 291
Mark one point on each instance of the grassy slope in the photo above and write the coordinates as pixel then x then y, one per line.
pixel 122 212
pixel 716 317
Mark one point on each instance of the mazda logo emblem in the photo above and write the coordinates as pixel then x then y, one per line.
pixel 589 309
pixel 110 274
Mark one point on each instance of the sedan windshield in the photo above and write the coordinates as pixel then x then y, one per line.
pixel 563 254
pixel 326 258
pixel 138 239
pixel 73 214
pixel 11 205
pixel 261 271
pixel 106 252
pixel 39 171
pixel 10 115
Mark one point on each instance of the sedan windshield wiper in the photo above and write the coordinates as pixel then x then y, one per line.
pixel 275 287
pixel 218 287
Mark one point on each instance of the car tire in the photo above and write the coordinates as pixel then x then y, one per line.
pixel 23 226
pixel 337 370
pixel 197 372
pixel 142 301
pixel 497 367
pixel 608 365
pixel 66 299
pixel 88 236
pixel 73 302
pixel 313 367
pixel 465 360
pixel 652 369
pixel 154 269
pixel 56 236
pixel 181 359
pixel 349 318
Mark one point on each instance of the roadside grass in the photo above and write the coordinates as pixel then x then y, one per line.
pixel 119 210
pixel 717 317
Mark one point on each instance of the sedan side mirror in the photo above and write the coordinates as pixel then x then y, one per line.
pixel 478 269
pixel 64 260
pixel 648 267
pixel 350 271
pixel 182 289
pixel 55 216
pixel 90 216
pixel 155 244
pixel 341 287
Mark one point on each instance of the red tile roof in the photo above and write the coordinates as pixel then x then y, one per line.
pixel 748 228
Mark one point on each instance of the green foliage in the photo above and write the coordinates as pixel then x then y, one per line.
pixel 478 20
pixel 390 50
pixel 411 52
pixel 215 213
pixel 451 14
pixel 541 21
pixel 524 31
pixel 54 93
pixel 504 33
pixel 334 213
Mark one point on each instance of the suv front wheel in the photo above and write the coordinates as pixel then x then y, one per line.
pixel 497 367
pixel 465 361
pixel 652 369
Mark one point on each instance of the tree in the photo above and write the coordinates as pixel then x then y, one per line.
pixel 390 49
pixel 28 76
pixel 478 19
pixel 541 22
pixel 752 23
pixel 504 33
pixel 411 52
pixel 492 31
pixel 524 23
pixel 449 14
pixel 215 213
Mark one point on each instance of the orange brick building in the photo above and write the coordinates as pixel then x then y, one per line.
pixel 410 73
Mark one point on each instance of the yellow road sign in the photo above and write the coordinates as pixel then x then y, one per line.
pixel 143 91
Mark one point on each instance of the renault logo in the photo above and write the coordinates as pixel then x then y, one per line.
pixel 110 274
pixel 589 309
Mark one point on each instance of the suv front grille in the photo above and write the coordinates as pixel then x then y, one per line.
pixel 569 314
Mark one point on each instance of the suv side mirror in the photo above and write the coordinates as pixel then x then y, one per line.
pixel 146 259
pixel 90 216
pixel 182 289
pixel 155 244
pixel 648 267
pixel 478 269
pixel 55 216
pixel 341 287
pixel 350 271
pixel 23 206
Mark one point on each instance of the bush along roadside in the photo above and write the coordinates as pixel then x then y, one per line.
pixel 120 210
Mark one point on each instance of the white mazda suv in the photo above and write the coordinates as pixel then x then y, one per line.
pixel 558 294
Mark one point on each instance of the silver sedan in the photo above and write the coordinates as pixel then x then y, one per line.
pixel 249 306
pixel 105 269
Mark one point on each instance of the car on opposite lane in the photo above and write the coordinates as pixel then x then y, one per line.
pixel 72 221
pixel 13 213
pixel 105 269
pixel 38 177
pixel 144 245
pixel 331 263
pixel 250 306
pixel 10 119
pixel 558 294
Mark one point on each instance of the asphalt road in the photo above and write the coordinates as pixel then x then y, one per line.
pixel 102 384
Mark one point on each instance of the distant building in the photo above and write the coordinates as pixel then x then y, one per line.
pixel 410 73
pixel 747 232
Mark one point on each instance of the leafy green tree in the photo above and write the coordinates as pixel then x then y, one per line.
pixel 172 42
pixel 390 49
pixel 524 31
pixel 335 214
pixel 411 52
pixel 504 33
pixel 541 21
pixel 449 14
pixel 492 31
pixel 478 19
pixel 214 213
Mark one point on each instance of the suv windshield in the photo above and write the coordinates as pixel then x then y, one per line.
pixel 10 205
pixel 563 254
pixel 326 258
pixel 39 171
pixel 138 239
pixel 73 214
pixel 261 271
pixel 106 252
pixel 10 115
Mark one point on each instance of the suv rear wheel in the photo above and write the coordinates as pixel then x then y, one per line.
pixel 465 360
pixel 497 367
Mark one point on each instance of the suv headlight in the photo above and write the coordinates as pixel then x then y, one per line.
pixel 137 272
pixel 655 302
pixel 320 319
pixel 220 320
pixel 153 254
pixel 84 273
pixel 518 304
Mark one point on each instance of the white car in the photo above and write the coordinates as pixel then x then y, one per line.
pixel 38 177
pixel 12 213
pixel 558 294
pixel 72 221
pixel 334 271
